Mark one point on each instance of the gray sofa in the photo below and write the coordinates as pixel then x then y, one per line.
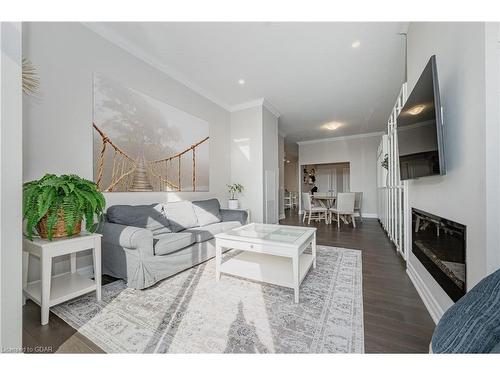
pixel 148 243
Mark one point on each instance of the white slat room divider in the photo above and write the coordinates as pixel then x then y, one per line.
pixel 396 213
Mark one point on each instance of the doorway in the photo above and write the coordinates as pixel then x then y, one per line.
pixel 326 179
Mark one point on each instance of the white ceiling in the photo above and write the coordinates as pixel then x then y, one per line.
pixel 308 71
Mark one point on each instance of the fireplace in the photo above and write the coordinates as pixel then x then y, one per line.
pixel 439 244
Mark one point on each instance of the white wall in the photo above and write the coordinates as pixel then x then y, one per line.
pixel 360 152
pixel 292 175
pixel 492 143
pixel 254 149
pixel 246 159
pixel 460 195
pixel 281 165
pixel 10 187
pixel 270 151
pixel 57 126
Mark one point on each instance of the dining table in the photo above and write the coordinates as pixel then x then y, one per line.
pixel 327 201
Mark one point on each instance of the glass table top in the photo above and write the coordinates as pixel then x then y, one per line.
pixel 269 232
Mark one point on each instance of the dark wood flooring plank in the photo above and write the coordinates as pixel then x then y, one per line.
pixel 395 318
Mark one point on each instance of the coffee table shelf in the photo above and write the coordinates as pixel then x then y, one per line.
pixel 267 268
pixel 273 254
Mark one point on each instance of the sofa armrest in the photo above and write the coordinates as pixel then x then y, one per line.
pixel 234 215
pixel 127 237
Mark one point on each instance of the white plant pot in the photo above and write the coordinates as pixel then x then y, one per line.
pixel 232 204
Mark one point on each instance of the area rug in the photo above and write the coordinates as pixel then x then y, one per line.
pixel 192 313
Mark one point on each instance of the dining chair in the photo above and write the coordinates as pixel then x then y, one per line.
pixel 293 194
pixel 288 200
pixel 358 203
pixel 344 207
pixel 313 212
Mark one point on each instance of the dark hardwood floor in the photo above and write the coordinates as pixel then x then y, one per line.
pixel 395 318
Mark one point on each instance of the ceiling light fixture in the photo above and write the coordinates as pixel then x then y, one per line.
pixel 334 125
pixel 241 81
pixel 416 110
pixel 356 44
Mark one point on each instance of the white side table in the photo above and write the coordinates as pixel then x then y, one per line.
pixel 50 291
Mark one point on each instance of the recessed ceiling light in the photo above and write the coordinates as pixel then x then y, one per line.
pixel 334 125
pixel 241 81
pixel 356 44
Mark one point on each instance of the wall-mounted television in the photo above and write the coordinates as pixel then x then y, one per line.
pixel 420 128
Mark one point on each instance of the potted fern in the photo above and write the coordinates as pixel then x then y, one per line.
pixel 233 189
pixel 55 205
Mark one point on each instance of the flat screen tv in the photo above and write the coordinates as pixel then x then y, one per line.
pixel 420 128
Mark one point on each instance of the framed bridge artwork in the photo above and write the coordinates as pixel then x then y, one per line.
pixel 142 144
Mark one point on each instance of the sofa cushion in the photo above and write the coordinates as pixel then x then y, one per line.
pixel 208 232
pixel 207 211
pixel 472 325
pixel 228 225
pixel 170 242
pixel 180 215
pixel 149 217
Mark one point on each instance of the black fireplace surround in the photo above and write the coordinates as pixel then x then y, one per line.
pixel 439 244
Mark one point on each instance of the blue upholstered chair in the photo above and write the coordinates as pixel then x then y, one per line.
pixel 472 325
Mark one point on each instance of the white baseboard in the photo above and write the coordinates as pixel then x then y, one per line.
pixel 282 216
pixel 430 302
pixel 366 216
pixel 370 216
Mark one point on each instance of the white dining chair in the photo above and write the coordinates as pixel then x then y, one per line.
pixel 344 207
pixel 288 200
pixel 293 195
pixel 358 203
pixel 313 212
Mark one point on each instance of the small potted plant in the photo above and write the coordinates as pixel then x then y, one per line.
pixel 233 189
pixel 385 162
pixel 55 205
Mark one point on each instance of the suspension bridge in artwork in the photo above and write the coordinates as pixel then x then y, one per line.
pixel 139 174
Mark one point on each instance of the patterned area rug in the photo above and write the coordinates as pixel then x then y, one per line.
pixel 192 313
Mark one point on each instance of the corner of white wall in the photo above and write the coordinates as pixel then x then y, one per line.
pixel 10 186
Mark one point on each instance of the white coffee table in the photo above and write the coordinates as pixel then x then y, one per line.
pixel 272 254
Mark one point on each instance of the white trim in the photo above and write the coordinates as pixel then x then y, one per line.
pixel 353 136
pixel 271 108
pixel 111 36
pixel 246 105
pixel 368 216
pixel 256 103
pixel 423 291
pixel 282 216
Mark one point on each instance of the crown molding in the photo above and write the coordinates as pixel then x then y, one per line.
pixel 261 102
pixel 114 38
pixel 251 104
pixel 342 138
pixel 271 108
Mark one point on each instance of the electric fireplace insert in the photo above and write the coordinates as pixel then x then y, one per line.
pixel 439 244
